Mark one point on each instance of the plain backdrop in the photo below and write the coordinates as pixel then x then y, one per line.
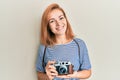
pixel 97 22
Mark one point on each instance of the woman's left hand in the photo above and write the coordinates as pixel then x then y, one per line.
pixel 75 73
pixel 68 76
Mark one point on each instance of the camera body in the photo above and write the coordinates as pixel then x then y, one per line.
pixel 64 67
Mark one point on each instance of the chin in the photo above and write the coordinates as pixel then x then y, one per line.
pixel 60 34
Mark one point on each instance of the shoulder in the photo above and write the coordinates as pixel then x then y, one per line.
pixel 80 41
pixel 41 47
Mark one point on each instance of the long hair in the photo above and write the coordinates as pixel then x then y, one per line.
pixel 47 37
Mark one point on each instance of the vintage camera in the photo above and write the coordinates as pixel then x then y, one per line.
pixel 64 67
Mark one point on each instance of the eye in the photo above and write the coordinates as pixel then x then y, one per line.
pixel 62 17
pixel 51 21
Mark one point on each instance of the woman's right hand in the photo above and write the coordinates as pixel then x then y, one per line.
pixel 51 70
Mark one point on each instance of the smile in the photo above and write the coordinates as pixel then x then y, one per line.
pixel 60 28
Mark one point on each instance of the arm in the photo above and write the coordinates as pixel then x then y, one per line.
pixel 50 72
pixel 84 74
pixel 42 76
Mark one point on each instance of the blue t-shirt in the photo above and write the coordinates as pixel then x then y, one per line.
pixel 65 52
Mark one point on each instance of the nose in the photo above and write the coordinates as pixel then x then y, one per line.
pixel 57 22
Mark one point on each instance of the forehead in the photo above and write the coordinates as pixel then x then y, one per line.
pixel 55 13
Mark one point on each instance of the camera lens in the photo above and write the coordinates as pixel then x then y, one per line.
pixel 62 69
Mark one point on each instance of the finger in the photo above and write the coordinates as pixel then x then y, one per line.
pixel 72 75
pixel 51 71
pixel 52 67
pixel 50 62
pixel 51 75
pixel 54 74
pixel 49 67
pixel 63 76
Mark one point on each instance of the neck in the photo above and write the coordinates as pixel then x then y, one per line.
pixel 62 40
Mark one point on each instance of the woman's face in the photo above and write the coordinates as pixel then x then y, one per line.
pixel 57 22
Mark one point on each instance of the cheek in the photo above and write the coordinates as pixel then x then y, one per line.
pixel 52 28
pixel 65 22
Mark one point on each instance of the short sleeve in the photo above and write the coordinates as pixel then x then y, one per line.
pixel 39 66
pixel 85 62
pixel 84 57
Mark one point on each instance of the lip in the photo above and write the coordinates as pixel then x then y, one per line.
pixel 60 28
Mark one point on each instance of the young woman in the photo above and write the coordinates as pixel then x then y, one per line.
pixel 59 44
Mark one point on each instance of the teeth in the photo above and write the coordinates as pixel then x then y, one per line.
pixel 59 28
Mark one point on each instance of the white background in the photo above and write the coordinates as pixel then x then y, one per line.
pixel 97 22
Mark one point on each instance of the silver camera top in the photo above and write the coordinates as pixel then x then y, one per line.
pixel 58 63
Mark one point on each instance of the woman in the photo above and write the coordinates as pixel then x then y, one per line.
pixel 59 44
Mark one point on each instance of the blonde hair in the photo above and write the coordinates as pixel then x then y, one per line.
pixel 47 37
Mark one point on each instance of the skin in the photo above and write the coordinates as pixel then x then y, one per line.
pixel 57 23
pixel 58 26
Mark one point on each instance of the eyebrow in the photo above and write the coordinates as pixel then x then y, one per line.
pixel 61 15
pixel 54 19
